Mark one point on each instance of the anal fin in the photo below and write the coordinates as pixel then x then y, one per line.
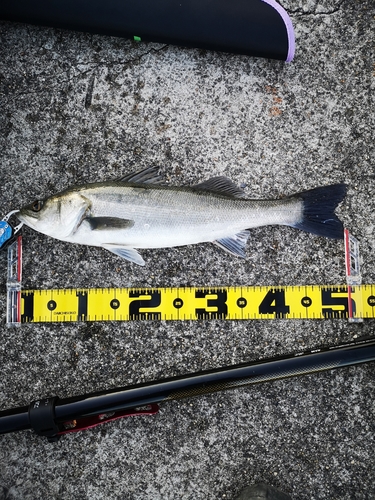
pixel 235 244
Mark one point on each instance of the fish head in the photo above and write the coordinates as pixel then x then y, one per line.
pixel 58 216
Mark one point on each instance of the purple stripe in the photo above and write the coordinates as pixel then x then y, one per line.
pixel 288 25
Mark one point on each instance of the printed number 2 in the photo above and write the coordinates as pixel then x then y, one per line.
pixel 154 300
pixel 274 303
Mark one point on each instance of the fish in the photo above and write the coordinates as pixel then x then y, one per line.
pixel 138 211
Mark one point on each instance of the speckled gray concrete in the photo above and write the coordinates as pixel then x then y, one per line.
pixel 78 108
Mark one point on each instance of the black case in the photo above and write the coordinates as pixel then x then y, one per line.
pixel 259 28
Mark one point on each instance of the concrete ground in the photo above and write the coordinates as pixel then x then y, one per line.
pixel 77 108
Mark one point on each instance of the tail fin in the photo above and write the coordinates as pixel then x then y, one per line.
pixel 319 206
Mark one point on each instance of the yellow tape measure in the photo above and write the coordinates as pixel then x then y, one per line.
pixel 194 303
pixel 353 301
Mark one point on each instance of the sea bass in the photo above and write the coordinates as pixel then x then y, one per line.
pixel 139 212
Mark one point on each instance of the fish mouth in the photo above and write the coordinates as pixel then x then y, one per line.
pixel 26 217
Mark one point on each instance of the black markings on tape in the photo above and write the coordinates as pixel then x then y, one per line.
pixel 337 298
pixel 218 303
pixel 51 305
pixel 241 302
pixel 115 303
pixel 306 301
pixel 274 303
pixel 28 307
pixel 153 301
pixel 82 306
pixel 178 303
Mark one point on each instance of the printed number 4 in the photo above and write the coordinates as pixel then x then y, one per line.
pixel 274 303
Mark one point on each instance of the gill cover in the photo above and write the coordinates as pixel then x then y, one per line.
pixel 58 216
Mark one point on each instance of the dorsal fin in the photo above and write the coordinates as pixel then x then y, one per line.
pixel 221 185
pixel 149 175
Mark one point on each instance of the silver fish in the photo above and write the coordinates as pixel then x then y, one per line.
pixel 138 212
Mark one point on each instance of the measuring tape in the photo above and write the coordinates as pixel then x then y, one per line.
pixel 352 301
pixel 194 303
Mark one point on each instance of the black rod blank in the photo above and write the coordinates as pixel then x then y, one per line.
pixel 55 412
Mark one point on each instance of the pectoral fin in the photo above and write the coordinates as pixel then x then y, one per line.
pixel 109 223
pixel 127 253
pixel 234 245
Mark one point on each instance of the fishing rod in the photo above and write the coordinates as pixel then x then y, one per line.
pixel 53 417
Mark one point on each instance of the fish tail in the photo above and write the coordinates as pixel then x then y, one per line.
pixel 319 206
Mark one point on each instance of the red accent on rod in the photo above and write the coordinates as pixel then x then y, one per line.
pixel 89 422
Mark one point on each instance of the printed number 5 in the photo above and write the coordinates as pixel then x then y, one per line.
pixel 342 302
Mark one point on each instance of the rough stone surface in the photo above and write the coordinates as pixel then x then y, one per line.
pixel 77 108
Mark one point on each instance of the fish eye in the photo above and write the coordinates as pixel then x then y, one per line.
pixel 37 205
